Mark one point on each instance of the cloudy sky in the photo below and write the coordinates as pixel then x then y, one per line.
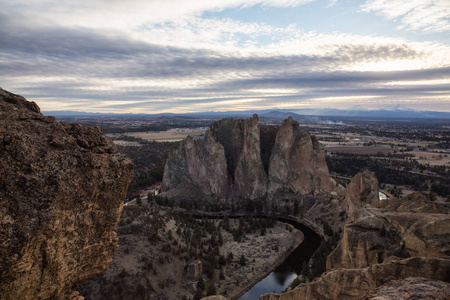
pixel 152 56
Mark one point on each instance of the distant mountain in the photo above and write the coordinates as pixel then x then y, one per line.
pixel 281 115
pixel 304 114
pixel 357 107
pixel 397 108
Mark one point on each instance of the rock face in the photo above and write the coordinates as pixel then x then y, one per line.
pixel 411 288
pixel 358 283
pixel 297 163
pixel 250 179
pixel 362 190
pixel 61 194
pixel 386 233
pixel 198 162
pixel 235 158
pixel 384 250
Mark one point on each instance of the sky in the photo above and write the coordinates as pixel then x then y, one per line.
pixel 179 56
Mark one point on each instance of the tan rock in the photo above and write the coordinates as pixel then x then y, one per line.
pixel 229 162
pixel 297 163
pixel 250 179
pixel 62 188
pixel 216 297
pixel 411 288
pixel 371 240
pixel 199 161
pixel 358 283
pixel 362 190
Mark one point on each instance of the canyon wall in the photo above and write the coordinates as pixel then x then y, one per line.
pixel 62 188
pixel 249 162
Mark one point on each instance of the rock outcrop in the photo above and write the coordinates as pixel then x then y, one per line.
pixel 384 249
pixel 362 190
pixel 235 159
pixel 411 288
pixel 358 283
pixel 62 188
pixel 198 163
pixel 386 233
pixel 297 163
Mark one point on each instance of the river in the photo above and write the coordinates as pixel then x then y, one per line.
pixel 284 275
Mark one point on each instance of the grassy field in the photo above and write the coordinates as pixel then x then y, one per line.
pixel 359 149
pixel 172 135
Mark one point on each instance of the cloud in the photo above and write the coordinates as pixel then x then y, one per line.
pixel 124 14
pixel 424 15
pixel 154 56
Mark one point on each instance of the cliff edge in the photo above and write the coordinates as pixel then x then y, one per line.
pixel 62 188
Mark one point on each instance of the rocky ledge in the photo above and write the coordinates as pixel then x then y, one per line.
pixel 62 189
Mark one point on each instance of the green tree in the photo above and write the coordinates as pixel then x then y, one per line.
pixel 242 260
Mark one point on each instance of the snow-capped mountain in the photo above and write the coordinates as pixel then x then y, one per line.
pixel 397 108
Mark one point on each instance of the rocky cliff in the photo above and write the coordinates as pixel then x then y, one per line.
pixel 235 158
pixel 391 249
pixel 360 283
pixel 297 163
pixel 362 190
pixel 61 194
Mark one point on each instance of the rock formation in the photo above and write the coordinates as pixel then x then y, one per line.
pixel 199 162
pixel 61 194
pixel 297 163
pixel 235 159
pixel 386 233
pixel 358 283
pixel 384 250
pixel 216 297
pixel 362 190
pixel 420 288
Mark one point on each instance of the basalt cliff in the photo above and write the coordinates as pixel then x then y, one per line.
pixel 62 188
pixel 240 159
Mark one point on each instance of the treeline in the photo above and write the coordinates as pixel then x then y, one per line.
pixel 395 172
pixel 149 159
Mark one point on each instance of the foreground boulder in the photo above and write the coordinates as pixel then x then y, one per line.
pixel 236 159
pixel 61 194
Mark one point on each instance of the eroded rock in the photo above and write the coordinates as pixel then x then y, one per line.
pixel 362 190
pixel 234 159
pixel 61 194
pixel 358 283
pixel 297 163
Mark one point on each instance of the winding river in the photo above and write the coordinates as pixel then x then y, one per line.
pixel 283 275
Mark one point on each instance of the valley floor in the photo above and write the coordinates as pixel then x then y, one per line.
pixel 156 247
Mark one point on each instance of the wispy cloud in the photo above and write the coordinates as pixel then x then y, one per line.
pixel 424 15
pixel 153 56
